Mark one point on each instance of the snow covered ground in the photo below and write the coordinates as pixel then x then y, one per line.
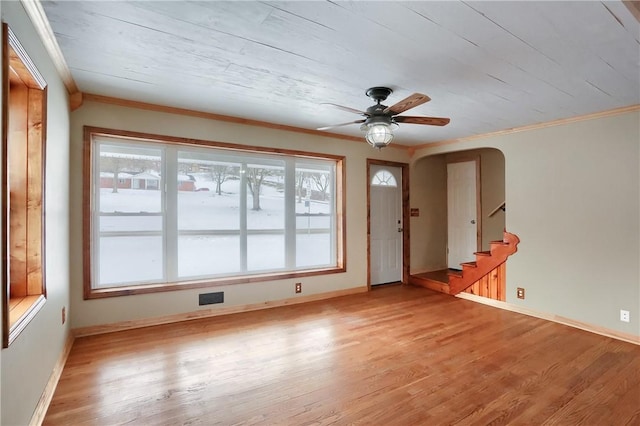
pixel 126 258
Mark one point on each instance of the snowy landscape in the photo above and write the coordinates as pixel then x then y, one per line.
pixel 208 229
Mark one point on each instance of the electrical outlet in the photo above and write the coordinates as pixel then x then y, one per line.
pixel 520 292
pixel 64 315
pixel 624 315
pixel 298 287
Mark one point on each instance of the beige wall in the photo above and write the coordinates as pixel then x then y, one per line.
pixel 27 364
pixel 429 183
pixel 573 195
pixel 93 312
pixel 429 230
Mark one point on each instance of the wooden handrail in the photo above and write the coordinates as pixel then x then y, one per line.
pixel 502 206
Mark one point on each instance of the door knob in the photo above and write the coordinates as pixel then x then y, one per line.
pixel 400 230
pixel 473 221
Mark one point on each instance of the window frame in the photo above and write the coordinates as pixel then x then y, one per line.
pixel 24 95
pixel 89 201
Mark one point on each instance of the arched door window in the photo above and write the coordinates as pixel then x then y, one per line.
pixel 383 178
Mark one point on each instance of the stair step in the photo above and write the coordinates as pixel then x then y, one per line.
pixel 431 284
pixel 454 273
pixel 469 264
pixel 482 253
pixel 500 242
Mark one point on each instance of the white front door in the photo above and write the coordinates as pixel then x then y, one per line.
pixel 386 224
pixel 462 213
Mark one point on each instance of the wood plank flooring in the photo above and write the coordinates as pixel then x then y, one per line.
pixel 397 355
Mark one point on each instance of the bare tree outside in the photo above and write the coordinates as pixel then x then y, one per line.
pixel 301 179
pixel 220 174
pixel 255 178
pixel 322 182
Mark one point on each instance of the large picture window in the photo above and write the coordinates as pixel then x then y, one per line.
pixel 165 213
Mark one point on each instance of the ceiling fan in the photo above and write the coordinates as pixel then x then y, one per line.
pixel 379 118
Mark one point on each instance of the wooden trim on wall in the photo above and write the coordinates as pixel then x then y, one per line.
pixel 603 331
pixel 207 283
pixel 151 137
pixel 220 117
pixel 88 206
pixel 75 101
pixel 406 217
pixel 602 114
pixel 634 8
pixel 4 177
pixel 212 312
pixel 341 214
pixel 24 118
pixel 41 24
pixel 43 28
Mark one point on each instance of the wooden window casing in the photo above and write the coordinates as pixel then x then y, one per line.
pixel 90 226
pixel 24 99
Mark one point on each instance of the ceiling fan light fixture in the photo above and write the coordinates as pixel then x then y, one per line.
pixel 379 135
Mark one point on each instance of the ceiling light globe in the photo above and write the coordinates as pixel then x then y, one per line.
pixel 379 135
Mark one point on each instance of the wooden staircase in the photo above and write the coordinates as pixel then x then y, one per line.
pixel 479 275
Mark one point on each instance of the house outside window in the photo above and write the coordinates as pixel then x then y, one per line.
pixel 206 214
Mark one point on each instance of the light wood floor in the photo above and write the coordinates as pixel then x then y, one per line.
pixel 394 356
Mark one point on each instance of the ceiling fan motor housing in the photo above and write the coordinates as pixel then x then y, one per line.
pixel 379 94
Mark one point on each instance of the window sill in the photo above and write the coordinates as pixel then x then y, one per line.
pixel 21 311
pixel 184 285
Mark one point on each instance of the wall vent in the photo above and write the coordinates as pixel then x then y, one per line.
pixel 211 298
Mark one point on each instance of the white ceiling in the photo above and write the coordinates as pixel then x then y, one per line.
pixel 488 66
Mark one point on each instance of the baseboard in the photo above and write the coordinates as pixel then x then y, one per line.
pixel 630 338
pixel 147 322
pixel 47 394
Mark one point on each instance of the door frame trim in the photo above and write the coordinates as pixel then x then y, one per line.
pixel 475 159
pixel 406 217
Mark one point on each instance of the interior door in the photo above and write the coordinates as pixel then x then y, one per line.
pixel 385 224
pixel 462 213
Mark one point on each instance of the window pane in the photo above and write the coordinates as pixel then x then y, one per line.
pixel 313 249
pixel 129 179
pixel 208 214
pixel 265 216
pixel 129 259
pixel 265 252
pixel 315 214
pixel 208 192
pixel 265 196
pixel 171 212
pixel 130 215
pixel 208 255
pixel 383 178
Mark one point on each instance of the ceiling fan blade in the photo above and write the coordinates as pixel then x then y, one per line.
pixel 407 103
pixel 344 108
pixel 432 121
pixel 340 125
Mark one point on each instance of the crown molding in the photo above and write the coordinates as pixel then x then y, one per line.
pixel 559 122
pixel 634 8
pixel 219 117
pixel 43 28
